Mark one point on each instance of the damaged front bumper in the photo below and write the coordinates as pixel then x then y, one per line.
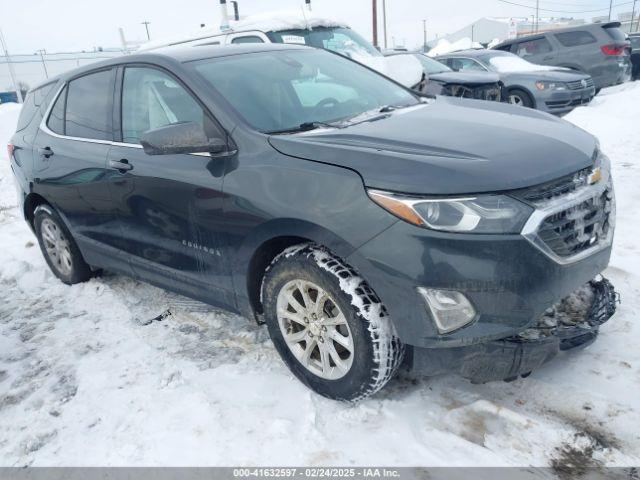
pixel 571 323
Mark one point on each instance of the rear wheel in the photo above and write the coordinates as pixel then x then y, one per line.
pixel 58 247
pixel 520 98
pixel 328 325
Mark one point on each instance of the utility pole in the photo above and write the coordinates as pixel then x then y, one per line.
pixel 610 8
pixel 42 51
pixel 146 26
pixel 424 28
pixel 633 16
pixel 374 6
pixel 12 73
pixel 384 21
pixel 533 24
pixel 537 14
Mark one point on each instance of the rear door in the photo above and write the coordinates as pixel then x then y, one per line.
pixel 70 171
pixel 170 206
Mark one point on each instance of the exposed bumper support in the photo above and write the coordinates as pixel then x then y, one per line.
pixel 571 323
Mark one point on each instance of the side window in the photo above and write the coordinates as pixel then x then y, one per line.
pixel 152 99
pixel 248 39
pixel 88 113
pixel 504 48
pixel 533 47
pixel 31 105
pixel 573 39
pixel 56 117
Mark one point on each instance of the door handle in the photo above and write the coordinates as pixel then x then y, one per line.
pixel 548 58
pixel 45 152
pixel 121 165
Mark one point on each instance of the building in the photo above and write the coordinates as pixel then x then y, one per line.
pixel 487 29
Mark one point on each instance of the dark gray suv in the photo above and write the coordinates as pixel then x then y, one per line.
pixel 598 49
pixel 365 225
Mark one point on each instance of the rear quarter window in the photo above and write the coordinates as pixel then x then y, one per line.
pixel 616 34
pixel 35 99
pixel 574 39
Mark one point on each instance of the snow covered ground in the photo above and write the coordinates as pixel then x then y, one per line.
pixel 83 380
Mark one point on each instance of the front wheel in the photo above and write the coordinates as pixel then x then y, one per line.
pixel 520 98
pixel 327 324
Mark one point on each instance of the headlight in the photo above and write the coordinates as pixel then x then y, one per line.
pixel 544 85
pixel 476 214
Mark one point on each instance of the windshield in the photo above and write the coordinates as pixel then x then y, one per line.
pixel 635 42
pixel 337 39
pixel 295 87
pixel 432 66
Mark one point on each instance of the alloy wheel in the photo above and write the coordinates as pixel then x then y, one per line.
pixel 57 246
pixel 315 329
pixel 516 100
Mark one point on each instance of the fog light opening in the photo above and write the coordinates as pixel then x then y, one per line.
pixel 450 309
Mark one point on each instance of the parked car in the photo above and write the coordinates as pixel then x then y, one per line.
pixel 364 224
pixel 295 28
pixel 635 55
pixel 598 49
pixel 441 80
pixel 526 84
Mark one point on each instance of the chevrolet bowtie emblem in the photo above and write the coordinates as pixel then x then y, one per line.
pixel 595 176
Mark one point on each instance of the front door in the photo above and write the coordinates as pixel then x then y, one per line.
pixel 170 206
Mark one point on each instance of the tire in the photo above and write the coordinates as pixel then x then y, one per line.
pixel 519 97
pixel 58 247
pixel 351 346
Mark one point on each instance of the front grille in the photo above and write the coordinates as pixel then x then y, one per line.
pixel 579 227
pixel 488 92
pixel 555 188
pixel 578 85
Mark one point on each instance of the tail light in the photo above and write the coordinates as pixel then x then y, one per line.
pixel 10 150
pixel 613 49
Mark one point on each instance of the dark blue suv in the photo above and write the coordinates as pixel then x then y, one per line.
pixel 366 225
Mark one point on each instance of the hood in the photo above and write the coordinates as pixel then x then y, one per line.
pixel 450 146
pixel 465 77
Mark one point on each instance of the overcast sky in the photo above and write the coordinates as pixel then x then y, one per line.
pixel 69 25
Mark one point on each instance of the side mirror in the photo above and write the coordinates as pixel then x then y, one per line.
pixel 183 137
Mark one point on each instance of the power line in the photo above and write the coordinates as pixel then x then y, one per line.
pixel 564 11
pixel 565 4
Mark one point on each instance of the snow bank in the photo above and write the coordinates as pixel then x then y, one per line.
pixel 444 46
pixel 265 22
pixel 404 69
pixel 287 20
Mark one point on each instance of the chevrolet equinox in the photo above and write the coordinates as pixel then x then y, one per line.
pixel 368 227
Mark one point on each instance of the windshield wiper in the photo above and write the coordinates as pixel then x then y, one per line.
pixel 368 116
pixel 391 108
pixel 306 127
